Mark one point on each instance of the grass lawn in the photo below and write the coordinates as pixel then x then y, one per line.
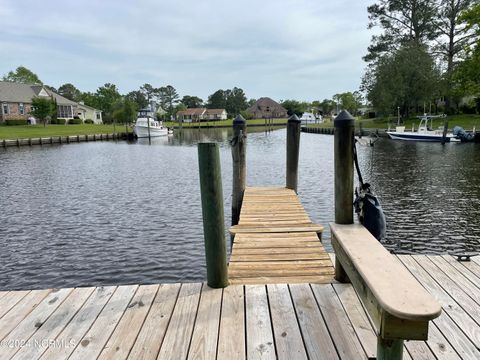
pixel 465 121
pixel 228 122
pixel 35 131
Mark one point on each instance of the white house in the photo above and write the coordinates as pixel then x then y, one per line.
pixel 85 112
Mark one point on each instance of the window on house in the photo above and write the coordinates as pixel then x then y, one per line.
pixel 65 112
pixel 98 116
pixel 5 109
pixel 21 109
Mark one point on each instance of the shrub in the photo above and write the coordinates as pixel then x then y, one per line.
pixel 16 122
pixel 58 121
pixel 88 121
pixel 74 121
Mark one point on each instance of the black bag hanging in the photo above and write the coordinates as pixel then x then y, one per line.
pixel 367 206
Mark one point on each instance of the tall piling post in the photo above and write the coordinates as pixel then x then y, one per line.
pixel 239 145
pixel 445 130
pixel 213 216
pixel 344 125
pixel 293 148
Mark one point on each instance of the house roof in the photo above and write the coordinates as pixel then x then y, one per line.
pixel 215 111
pixel 16 92
pixel 86 107
pixel 264 102
pixel 192 111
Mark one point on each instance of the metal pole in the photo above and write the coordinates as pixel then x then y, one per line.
pixel 239 145
pixel 213 217
pixel 293 148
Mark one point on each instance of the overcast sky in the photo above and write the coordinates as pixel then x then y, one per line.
pixel 284 49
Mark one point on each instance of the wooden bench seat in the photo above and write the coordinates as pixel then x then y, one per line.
pixel 400 308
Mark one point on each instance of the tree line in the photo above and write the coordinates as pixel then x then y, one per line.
pixel 427 53
pixel 123 107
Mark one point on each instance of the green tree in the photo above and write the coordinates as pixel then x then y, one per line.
pixel 192 101
pixel 327 106
pixel 403 22
pixel 149 92
pixel 235 101
pixel 405 79
pixel 467 76
pixel 124 111
pixel 349 101
pixel 22 75
pixel 218 100
pixel 105 97
pixel 70 92
pixel 137 97
pixel 43 108
pixel 294 107
pixel 455 38
pixel 168 99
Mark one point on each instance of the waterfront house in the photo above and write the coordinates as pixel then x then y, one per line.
pixel 267 108
pixel 201 114
pixel 86 112
pixel 16 101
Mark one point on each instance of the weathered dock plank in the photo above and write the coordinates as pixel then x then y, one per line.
pixel 276 242
pixel 289 321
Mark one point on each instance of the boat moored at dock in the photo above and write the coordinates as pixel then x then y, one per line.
pixel 146 125
pixel 425 132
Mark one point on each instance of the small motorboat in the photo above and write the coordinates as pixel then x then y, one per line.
pixel 424 132
pixel 146 125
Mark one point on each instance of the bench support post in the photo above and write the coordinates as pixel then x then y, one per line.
pixel 389 349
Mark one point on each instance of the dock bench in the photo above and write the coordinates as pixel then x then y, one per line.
pixel 399 307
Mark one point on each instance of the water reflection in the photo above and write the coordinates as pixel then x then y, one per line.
pixel 117 213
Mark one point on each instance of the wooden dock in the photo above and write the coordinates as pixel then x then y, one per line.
pixel 276 242
pixel 180 321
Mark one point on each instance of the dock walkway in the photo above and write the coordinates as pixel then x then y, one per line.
pixel 276 242
pixel 180 321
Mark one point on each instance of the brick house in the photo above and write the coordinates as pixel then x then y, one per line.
pixel 201 114
pixel 267 108
pixel 16 101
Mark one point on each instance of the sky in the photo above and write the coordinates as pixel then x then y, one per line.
pixel 284 49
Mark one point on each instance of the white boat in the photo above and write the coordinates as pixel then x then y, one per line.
pixel 424 132
pixel 146 125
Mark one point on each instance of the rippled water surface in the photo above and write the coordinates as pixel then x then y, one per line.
pixel 119 213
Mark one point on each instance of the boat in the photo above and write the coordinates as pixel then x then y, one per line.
pixel 146 125
pixel 424 132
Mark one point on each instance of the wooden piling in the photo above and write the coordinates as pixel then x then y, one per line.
pixel 343 153
pixel 239 165
pixel 213 216
pixel 344 125
pixel 293 148
pixel 445 129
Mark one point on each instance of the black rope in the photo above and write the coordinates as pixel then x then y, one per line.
pixel 355 159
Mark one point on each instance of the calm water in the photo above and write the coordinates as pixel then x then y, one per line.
pixel 119 213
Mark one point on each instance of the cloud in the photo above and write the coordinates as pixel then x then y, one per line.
pixel 302 49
